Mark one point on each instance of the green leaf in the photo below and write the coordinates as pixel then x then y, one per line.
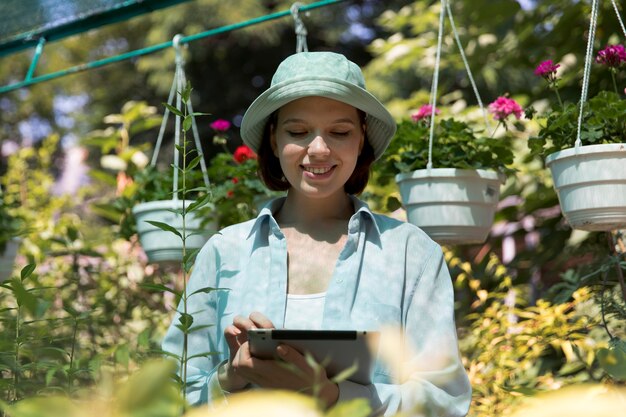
pixel 27 271
pixel 194 162
pixel 23 297
pixel 186 320
pixel 613 361
pixel 174 110
pixel 187 121
pixel 161 288
pixel 208 290
pixel 203 355
pixel 358 407
pixel 166 227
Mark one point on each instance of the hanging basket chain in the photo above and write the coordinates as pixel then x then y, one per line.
pixel 178 84
pixel 587 69
pixel 467 67
pixel 619 17
pixel 300 29
pixel 433 90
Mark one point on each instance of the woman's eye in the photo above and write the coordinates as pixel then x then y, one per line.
pixel 346 133
pixel 296 133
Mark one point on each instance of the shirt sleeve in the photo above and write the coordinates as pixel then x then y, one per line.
pixel 204 351
pixel 431 379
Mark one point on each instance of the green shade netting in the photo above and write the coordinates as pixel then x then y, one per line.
pixel 23 22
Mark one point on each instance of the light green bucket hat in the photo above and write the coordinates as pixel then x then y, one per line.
pixel 324 74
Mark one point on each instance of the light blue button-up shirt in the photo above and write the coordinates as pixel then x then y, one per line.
pixel 389 273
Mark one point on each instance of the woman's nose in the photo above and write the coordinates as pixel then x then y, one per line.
pixel 318 146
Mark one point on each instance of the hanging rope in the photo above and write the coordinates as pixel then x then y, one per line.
pixel 619 17
pixel 587 70
pixel 467 67
pixel 433 90
pixel 300 29
pixel 178 84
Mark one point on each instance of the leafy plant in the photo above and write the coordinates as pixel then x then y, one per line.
pixel 603 116
pixel 11 225
pixel 456 144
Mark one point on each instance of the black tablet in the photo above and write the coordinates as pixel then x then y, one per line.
pixel 337 350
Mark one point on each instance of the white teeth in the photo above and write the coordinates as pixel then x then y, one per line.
pixel 317 170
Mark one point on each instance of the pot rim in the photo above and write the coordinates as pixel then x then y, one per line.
pixel 586 150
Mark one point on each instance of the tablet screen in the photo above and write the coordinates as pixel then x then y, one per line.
pixel 337 350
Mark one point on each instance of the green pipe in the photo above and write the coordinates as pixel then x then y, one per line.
pixel 158 47
pixel 33 64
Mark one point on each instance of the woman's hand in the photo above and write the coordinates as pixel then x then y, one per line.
pixel 236 336
pixel 291 372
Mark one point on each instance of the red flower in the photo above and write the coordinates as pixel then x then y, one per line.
pixel 424 112
pixel 503 107
pixel 230 194
pixel 235 180
pixel 243 153
pixel 612 56
pixel 220 125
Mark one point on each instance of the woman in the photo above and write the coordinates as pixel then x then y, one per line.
pixel 319 258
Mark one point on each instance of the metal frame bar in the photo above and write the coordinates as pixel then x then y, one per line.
pixel 158 47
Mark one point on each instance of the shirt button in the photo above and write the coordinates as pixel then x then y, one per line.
pixel 339 280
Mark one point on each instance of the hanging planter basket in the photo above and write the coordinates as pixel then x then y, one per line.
pixel 7 258
pixel 453 206
pixel 591 184
pixel 164 246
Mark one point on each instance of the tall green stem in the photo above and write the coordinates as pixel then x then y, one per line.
pixel 620 274
pixel 558 97
pixel 16 370
pixel 70 372
pixel 614 82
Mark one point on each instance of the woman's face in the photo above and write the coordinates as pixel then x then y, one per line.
pixel 318 141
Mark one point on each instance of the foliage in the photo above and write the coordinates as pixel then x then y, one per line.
pixel 10 224
pixel 603 116
pixel 84 313
pixel 512 349
pixel 456 145
pixel 604 121
pixel 238 192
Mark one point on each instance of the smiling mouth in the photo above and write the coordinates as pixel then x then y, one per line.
pixel 317 170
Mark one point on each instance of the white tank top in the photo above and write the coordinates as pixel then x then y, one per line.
pixel 304 311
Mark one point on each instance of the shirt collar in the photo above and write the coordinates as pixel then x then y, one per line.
pixel 361 211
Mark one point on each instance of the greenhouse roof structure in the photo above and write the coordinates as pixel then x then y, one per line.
pixel 26 23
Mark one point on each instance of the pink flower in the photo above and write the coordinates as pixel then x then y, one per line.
pixel 547 69
pixel 243 153
pixel 425 111
pixel 220 125
pixel 503 107
pixel 612 56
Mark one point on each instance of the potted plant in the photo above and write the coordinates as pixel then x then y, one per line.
pixel 590 180
pixel 10 228
pixel 455 202
pixel 144 191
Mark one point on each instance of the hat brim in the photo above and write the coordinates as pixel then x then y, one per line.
pixel 380 124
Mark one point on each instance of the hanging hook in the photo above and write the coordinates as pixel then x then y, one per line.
pixel 300 29
pixel 178 49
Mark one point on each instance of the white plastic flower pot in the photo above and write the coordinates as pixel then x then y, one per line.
pixel 165 246
pixel 591 184
pixel 453 206
pixel 7 259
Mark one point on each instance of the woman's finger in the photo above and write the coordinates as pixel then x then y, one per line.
pixel 243 323
pixel 261 321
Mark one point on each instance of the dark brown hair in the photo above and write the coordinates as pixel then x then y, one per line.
pixel 272 174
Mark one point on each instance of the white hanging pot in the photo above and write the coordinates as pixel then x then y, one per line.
pixel 453 206
pixel 7 258
pixel 164 246
pixel 591 184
